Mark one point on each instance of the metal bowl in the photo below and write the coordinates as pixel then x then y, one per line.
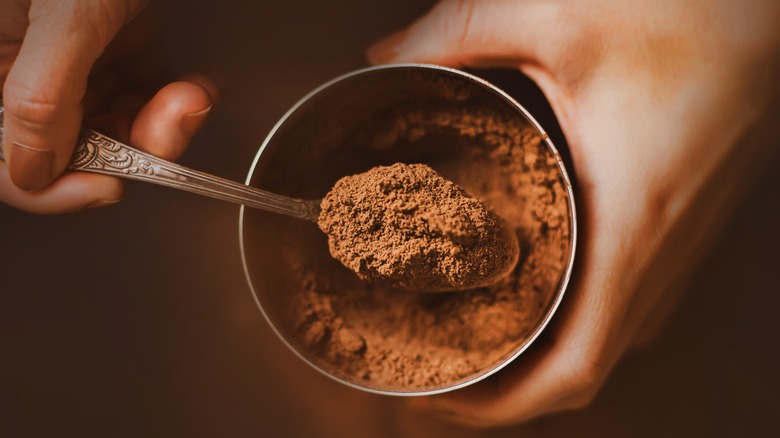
pixel 322 138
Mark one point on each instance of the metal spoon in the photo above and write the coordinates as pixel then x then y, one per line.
pixel 98 153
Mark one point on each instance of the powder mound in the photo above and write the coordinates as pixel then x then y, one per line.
pixel 378 338
pixel 406 226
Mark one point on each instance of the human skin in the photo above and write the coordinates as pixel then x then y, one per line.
pixel 66 61
pixel 669 109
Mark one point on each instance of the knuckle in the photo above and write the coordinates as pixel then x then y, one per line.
pixel 575 47
pixel 457 21
pixel 100 19
pixel 585 374
pixel 466 18
pixel 107 11
pixel 32 111
pixel 91 22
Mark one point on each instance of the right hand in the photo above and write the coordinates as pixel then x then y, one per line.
pixel 63 59
pixel 668 108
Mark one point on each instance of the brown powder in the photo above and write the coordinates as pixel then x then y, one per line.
pixel 404 225
pixel 375 336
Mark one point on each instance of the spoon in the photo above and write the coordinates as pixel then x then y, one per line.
pixel 98 153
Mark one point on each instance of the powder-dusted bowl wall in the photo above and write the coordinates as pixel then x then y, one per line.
pixel 384 340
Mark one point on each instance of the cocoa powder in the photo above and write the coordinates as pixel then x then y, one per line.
pixel 375 336
pixel 406 226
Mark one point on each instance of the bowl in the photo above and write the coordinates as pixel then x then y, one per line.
pixel 392 342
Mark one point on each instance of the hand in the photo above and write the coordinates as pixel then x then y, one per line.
pixel 62 60
pixel 667 108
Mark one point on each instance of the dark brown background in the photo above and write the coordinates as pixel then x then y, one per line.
pixel 136 320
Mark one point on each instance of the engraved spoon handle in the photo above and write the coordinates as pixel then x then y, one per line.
pixel 98 153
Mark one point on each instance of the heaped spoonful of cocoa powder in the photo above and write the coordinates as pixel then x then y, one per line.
pixel 406 226
pixel 403 225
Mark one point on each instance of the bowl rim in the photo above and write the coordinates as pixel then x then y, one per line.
pixel 563 285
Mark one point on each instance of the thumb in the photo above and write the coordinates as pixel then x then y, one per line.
pixel 470 32
pixel 45 87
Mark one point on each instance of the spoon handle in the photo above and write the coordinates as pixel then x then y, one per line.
pixel 98 153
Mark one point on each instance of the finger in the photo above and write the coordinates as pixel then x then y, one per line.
pixel 212 81
pixel 558 379
pixel 500 401
pixel 74 191
pixel 165 125
pixel 470 32
pixel 45 87
pixel 563 374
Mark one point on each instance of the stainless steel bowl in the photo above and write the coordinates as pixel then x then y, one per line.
pixel 310 148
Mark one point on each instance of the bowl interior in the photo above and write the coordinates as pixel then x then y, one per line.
pixel 412 114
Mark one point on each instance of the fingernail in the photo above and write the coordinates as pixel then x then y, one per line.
pixel 32 168
pixel 191 122
pixel 102 203
pixel 387 49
